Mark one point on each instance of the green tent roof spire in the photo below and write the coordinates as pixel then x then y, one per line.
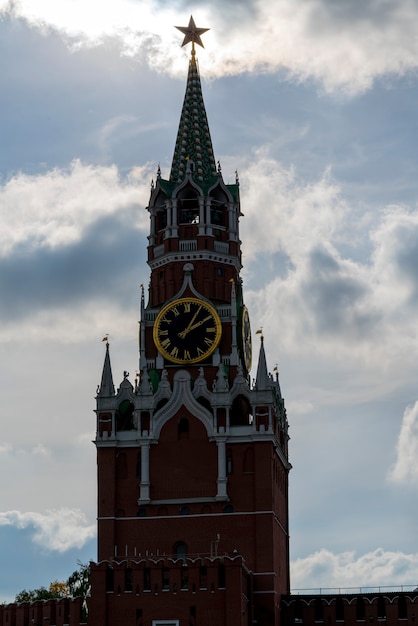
pixel 193 148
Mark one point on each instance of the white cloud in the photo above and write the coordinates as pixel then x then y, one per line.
pixel 405 468
pixel 350 291
pixel 54 209
pixel 340 45
pixel 37 450
pixel 58 530
pixel 323 569
pixel 287 214
pixel 74 324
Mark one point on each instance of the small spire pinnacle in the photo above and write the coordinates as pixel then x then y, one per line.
pixel 106 389
pixel 262 378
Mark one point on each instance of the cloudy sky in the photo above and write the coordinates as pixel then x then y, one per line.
pixel 314 103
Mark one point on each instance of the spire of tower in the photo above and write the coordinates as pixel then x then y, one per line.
pixel 106 389
pixel 193 149
pixel 262 379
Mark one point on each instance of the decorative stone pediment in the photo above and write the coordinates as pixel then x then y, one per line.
pixel 182 396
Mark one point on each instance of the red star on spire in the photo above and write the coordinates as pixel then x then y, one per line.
pixel 192 33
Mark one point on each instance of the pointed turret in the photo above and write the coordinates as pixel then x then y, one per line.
pixel 193 150
pixel 262 379
pixel 106 389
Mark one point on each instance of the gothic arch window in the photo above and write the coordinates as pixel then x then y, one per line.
pixel 142 512
pixel 124 416
pixel 184 510
pixel 180 550
pixel 240 411
pixel 188 206
pixel 228 508
pixel 183 428
pixel 218 208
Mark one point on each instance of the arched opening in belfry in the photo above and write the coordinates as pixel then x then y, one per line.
pixel 124 416
pixel 188 206
pixel 218 208
pixel 240 411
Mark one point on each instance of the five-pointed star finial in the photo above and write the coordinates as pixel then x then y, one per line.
pixel 192 33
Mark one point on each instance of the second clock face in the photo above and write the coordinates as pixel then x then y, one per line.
pixel 187 330
pixel 246 339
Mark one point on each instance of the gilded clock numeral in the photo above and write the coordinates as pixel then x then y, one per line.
pixel 162 333
pixel 175 311
pixel 175 352
pixel 208 342
pixel 166 320
pixel 211 330
pixel 199 352
pixel 187 307
pixel 165 343
pixel 187 355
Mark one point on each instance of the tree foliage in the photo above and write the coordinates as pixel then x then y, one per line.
pixel 77 585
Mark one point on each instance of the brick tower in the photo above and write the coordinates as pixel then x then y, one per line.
pixel 192 459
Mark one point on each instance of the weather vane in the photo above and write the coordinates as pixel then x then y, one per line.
pixel 192 34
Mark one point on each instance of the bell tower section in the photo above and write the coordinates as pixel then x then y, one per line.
pixel 193 457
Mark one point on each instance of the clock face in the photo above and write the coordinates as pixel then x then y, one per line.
pixel 187 330
pixel 246 339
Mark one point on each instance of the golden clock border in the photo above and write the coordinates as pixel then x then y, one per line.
pixel 174 303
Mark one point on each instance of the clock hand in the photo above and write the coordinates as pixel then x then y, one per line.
pixel 198 324
pixel 184 332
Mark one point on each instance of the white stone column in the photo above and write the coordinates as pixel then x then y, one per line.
pixel 145 484
pixel 174 219
pixel 202 216
pixel 222 479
